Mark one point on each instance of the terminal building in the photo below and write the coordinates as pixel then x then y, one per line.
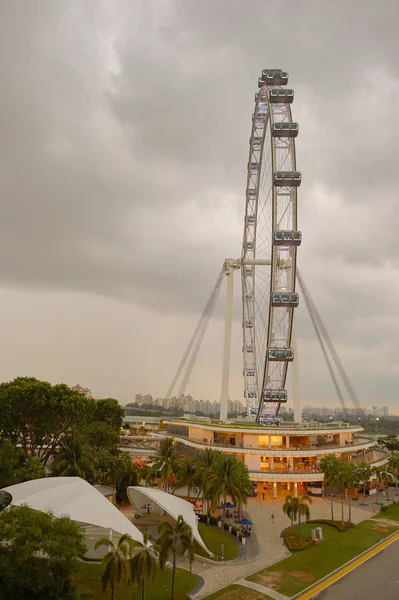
pixel 284 458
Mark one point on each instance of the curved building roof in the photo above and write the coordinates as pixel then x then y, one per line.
pixel 74 497
pixel 171 504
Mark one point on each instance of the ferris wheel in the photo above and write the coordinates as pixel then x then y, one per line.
pixel 269 251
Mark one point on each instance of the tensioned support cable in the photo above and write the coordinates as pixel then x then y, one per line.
pixel 326 343
pixel 191 352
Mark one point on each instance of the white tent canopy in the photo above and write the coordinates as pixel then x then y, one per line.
pixel 75 498
pixel 173 506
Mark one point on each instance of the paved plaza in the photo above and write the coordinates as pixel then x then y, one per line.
pixel 268 537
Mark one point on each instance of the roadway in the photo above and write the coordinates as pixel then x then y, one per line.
pixel 377 578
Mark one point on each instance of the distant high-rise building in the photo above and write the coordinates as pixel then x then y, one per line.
pixel 385 411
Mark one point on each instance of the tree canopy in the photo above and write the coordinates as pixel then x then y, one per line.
pixel 38 554
pixel 38 416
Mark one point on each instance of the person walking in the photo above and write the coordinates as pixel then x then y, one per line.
pixel 272 517
pixel 263 496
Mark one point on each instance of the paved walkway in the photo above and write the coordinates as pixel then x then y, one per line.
pixel 271 546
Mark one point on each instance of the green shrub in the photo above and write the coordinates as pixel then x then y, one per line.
pixel 226 526
pixel 137 515
pixel 337 524
pixel 213 521
pixel 384 508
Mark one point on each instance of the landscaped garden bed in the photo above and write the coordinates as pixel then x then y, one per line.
pixel 213 538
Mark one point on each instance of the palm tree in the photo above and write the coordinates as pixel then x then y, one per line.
pixel 174 540
pixel 386 477
pixel 74 458
pixel 289 508
pixel 143 564
pixel 32 469
pixel 149 474
pixel 229 477
pixel 393 466
pixel 115 562
pixel 364 472
pixel 166 459
pixel 330 466
pixel 118 468
pixel 301 509
pixel 188 475
pixel 206 465
pixel 377 473
pixel 349 478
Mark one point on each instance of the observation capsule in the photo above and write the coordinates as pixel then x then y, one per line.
pixel 275 395
pixel 287 178
pixel 287 238
pixel 281 96
pixel 285 130
pixel 274 77
pixel 280 354
pixel 288 299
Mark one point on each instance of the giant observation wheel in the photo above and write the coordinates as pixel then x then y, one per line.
pixel 269 251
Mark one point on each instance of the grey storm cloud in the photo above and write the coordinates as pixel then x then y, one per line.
pixel 124 144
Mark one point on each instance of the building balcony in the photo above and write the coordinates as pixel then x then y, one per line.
pixel 309 450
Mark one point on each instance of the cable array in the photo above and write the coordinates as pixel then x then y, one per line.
pixel 326 345
pixel 191 352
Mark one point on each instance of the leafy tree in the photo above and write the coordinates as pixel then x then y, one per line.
pixel 115 562
pixel 188 475
pixel 32 469
pixel 10 461
pixel 390 442
pixel 111 412
pixel 38 555
pixel 301 509
pixel 289 508
pixel 100 435
pixel 173 541
pixel 74 458
pixel 143 564
pixel 38 415
pixel 165 461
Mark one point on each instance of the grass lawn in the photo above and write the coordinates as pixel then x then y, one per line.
pixel 300 570
pixel 213 537
pixel 392 513
pixel 237 592
pixel 88 583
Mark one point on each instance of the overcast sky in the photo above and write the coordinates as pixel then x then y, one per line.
pixel 124 130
